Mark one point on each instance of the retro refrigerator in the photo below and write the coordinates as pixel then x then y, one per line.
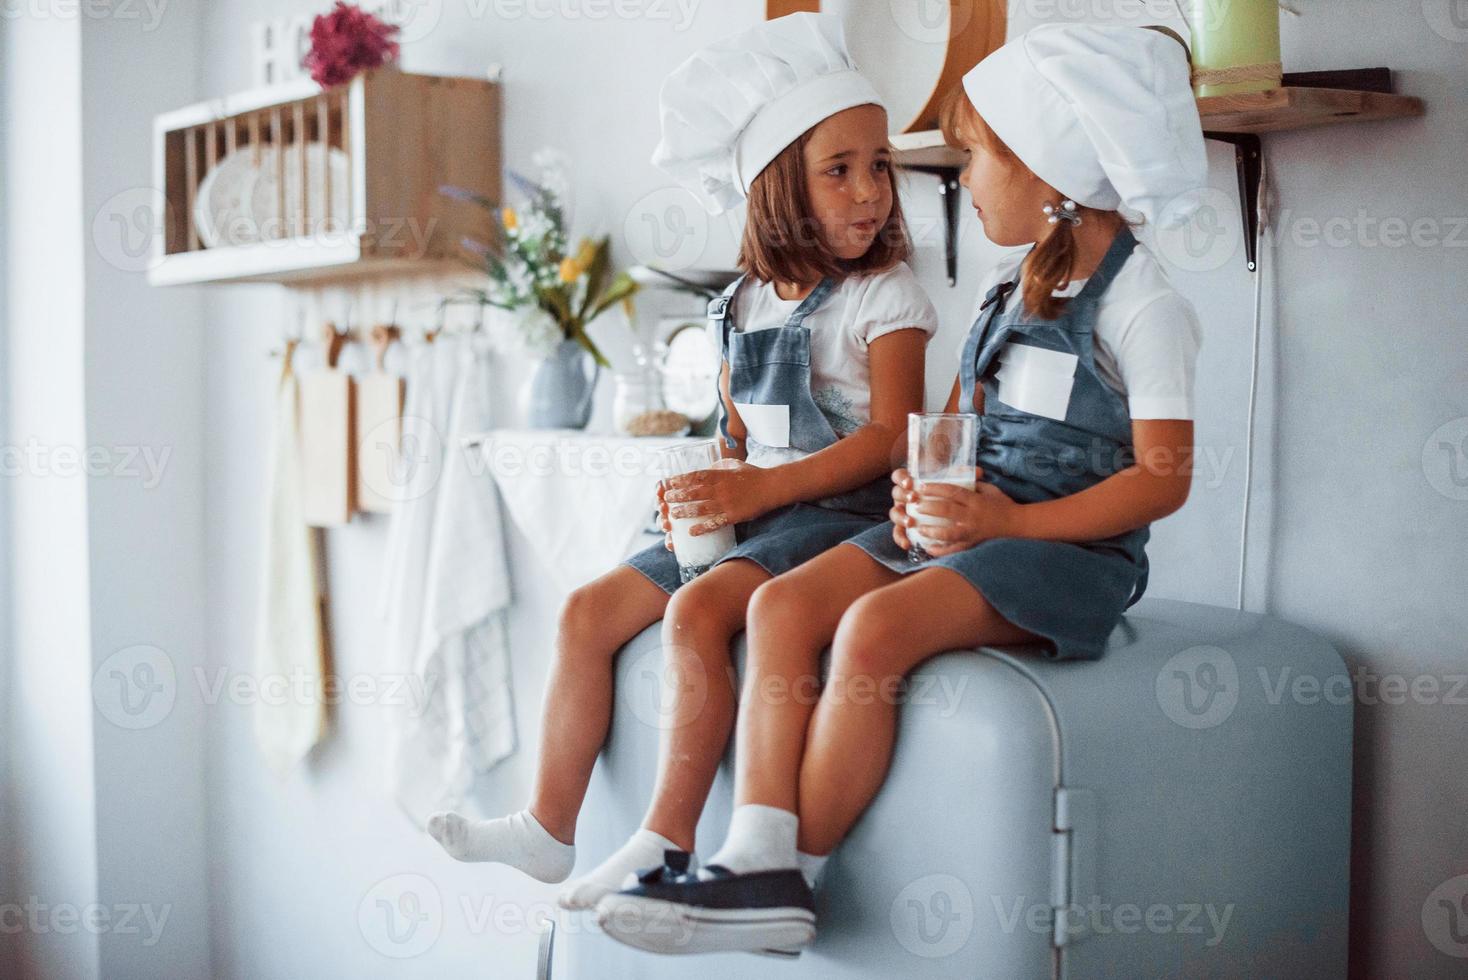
pixel 1179 808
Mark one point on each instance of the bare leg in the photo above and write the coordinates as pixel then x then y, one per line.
pixel 701 620
pixel 597 620
pixel 791 620
pixel 700 623
pixel 882 636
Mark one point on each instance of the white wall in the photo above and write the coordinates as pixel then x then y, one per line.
pixel 146 516
pixel 105 841
pixel 51 833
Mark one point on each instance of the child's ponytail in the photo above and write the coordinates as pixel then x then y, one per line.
pixel 1048 269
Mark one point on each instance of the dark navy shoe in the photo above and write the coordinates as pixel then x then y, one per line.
pixel 675 865
pixel 712 911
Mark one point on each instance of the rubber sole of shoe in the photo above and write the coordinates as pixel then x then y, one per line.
pixel 674 928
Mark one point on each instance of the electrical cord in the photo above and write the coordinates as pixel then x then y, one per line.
pixel 1263 208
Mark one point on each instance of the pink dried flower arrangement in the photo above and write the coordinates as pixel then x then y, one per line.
pixel 346 41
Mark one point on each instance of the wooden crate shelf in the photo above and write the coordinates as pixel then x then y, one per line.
pixel 403 136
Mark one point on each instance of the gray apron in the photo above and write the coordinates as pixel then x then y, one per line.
pixel 1072 595
pixel 769 384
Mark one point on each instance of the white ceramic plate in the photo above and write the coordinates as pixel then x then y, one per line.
pixel 221 209
pixel 263 200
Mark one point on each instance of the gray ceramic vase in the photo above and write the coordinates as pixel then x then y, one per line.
pixel 559 392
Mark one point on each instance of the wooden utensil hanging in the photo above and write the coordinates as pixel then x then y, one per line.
pixel 328 440
pixel 379 427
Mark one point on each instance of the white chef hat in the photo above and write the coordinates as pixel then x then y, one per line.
pixel 1105 114
pixel 734 105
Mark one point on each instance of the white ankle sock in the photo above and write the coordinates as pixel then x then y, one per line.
pixel 811 865
pixel 761 838
pixel 517 840
pixel 643 850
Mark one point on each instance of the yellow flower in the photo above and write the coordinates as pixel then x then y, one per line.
pixel 510 218
pixel 569 270
pixel 586 254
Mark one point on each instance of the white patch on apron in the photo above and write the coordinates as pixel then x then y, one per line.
pixel 769 424
pixel 1036 380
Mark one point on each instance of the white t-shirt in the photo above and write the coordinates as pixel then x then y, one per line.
pixel 1147 334
pixel 858 310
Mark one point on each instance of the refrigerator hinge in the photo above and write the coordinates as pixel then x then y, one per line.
pixel 1073 863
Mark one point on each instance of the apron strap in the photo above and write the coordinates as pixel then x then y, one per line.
pixel 812 301
pixel 1111 263
pixel 1141 585
pixel 999 294
pixel 721 310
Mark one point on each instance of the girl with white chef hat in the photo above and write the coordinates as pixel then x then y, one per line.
pixel 823 339
pixel 1080 366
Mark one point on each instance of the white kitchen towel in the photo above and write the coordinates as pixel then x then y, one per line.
pixel 414 486
pixel 581 500
pixel 289 641
pixel 464 722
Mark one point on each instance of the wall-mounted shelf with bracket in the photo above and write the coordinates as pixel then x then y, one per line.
pixel 1235 119
pixel 292 183
pixel 1296 107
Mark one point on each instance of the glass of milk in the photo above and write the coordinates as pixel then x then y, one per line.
pixel 696 554
pixel 942 447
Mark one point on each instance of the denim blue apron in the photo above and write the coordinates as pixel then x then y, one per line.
pixel 769 384
pixel 1072 595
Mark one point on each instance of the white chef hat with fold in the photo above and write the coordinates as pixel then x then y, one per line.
pixel 730 109
pixel 1105 114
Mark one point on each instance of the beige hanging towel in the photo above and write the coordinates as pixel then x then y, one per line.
pixel 290 660
pixel 379 426
pixel 328 440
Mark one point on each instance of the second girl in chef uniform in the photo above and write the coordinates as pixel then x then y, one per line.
pixel 1080 367
pixel 823 339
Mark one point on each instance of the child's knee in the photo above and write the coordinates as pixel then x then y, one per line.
pixel 702 607
pixel 869 633
pixel 583 622
pixel 579 611
pixel 782 603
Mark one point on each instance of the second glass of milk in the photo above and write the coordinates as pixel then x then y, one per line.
pixel 941 448
pixel 696 553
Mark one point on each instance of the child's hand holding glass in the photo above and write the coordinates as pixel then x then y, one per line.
pixel 701 499
pixel 952 517
pixel 728 492
pixel 941 447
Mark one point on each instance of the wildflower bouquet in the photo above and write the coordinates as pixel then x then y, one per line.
pixel 558 292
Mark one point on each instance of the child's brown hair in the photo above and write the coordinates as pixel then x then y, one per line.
pixel 1050 264
pixel 782 239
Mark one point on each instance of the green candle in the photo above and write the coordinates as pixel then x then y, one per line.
pixel 1235 45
